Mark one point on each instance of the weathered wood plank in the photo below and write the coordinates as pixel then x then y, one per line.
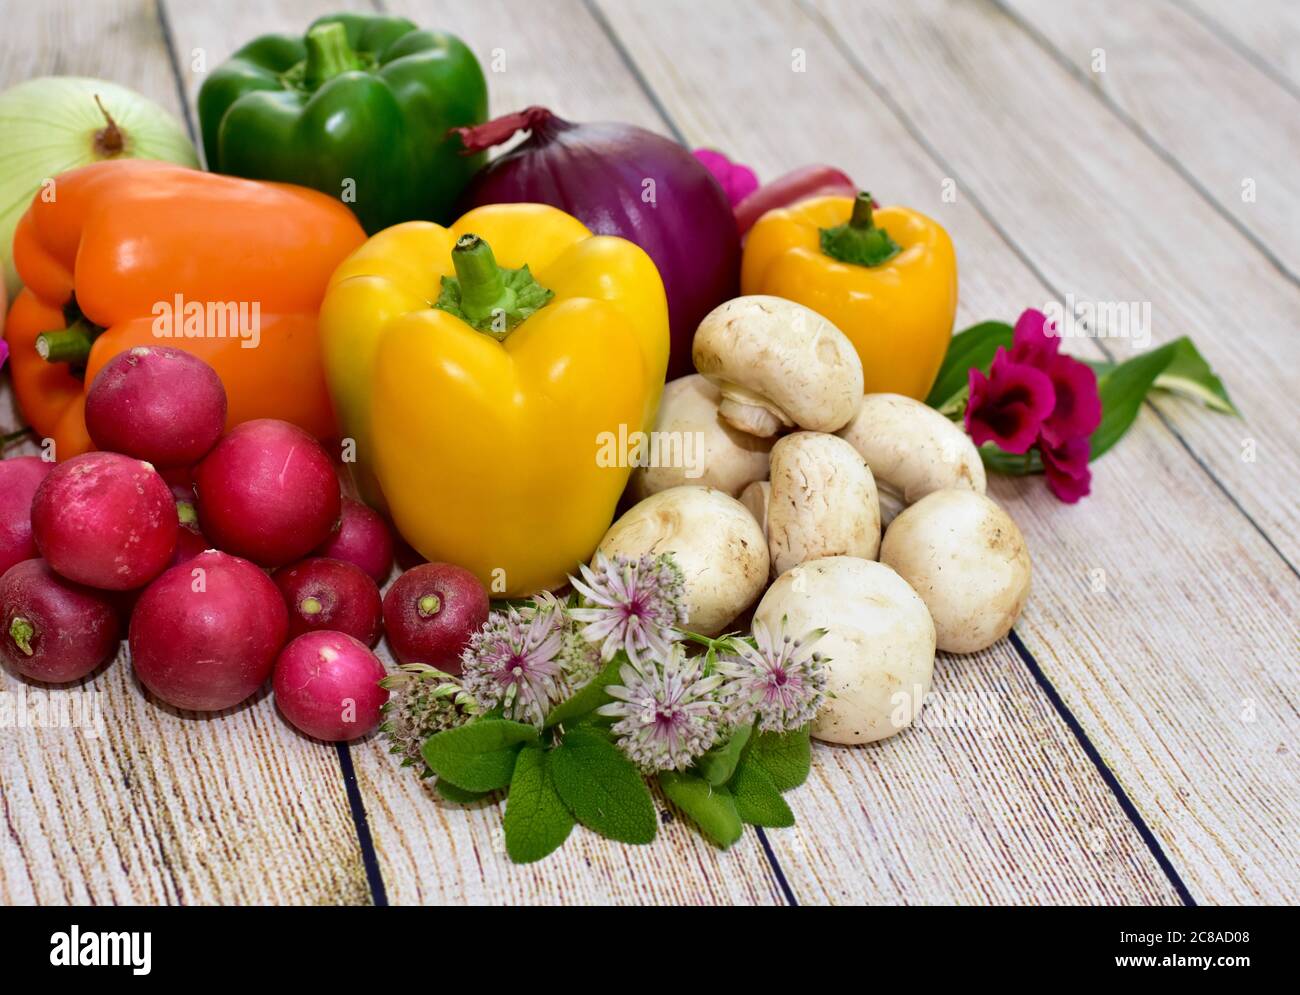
pixel 159 807
pixel 1264 30
pixel 1103 219
pixel 1231 129
pixel 1157 652
pixel 924 816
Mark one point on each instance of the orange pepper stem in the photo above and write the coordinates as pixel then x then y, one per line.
pixel 858 241
pixel 328 54
pixel 67 345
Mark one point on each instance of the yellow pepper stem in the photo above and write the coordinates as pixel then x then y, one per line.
pixel 486 296
pixel 859 241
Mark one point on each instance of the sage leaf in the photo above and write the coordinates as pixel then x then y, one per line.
pixel 786 757
pixel 710 807
pixel 536 820
pixel 479 756
pixel 589 697
pixel 460 796
pixel 758 801
pixel 719 763
pixel 602 788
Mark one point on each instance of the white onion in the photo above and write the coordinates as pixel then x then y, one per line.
pixel 52 124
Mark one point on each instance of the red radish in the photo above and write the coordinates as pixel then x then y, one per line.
pixel 105 520
pixel 430 613
pixel 54 630
pixel 327 685
pixel 19 478
pixel 321 593
pixel 157 403
pixel 205 634
pixel 406 556
pixel 362 538
pixel 190 542
pixel 267 492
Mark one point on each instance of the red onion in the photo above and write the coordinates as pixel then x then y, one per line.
pixel 599 173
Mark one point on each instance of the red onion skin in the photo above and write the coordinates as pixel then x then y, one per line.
pixel 598 173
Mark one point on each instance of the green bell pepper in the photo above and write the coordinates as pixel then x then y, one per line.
pixel 359 109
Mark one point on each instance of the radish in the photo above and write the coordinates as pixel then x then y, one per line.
pixel 19 478
pixel 322 593
pixel 105 520
pixel 431 611
pixel 327 685
pixel 362 538
pixel 54 630
pixel 267 492
pixel 205 634
pixel 157 403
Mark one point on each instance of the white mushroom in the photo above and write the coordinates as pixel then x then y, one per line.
pixel 715 541
pixel 778 364
pixel 912 450
pixel 967 560
pixel 693 445
pixel 879 643
pixel 823 502
pixel 756 497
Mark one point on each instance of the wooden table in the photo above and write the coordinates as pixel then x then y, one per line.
pixel 1144 748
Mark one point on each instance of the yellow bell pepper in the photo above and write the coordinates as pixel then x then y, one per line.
pixel 475 368
pixel 887 278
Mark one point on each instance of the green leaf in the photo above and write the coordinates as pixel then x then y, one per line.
pixel 589 697
pixel 602 788
pixel 975 346
pixel 758 801
pixel 536 820
pixel 786 757
pixel 710 807
pixel 478 756
pixel 460 796
pixel 1187 375
pixel 719 763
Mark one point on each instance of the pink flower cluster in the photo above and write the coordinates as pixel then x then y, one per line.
pixel 738 180
pixel 1034 396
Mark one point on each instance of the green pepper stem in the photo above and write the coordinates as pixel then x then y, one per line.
pixel 21 632
pixel 67 345
pixel 858 241
pixel 483 290
pixel 328 53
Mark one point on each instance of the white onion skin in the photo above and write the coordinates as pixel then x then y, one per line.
pixel 49 125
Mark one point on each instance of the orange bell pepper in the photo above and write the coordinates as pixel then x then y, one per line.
pixel 126 253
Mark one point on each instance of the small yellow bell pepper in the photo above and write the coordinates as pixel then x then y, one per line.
pixel 475 367
pixel 887 278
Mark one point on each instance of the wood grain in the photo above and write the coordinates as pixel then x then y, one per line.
pixel 1265 30
pixel 162 807
pixel 1103 218
pixel 1231 129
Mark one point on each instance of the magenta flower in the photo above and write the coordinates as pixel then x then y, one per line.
pixel 738 181
pixel 1066 467
pixel 1008 406
pixel 1077 411
pixel 1034 340
pixel 4 352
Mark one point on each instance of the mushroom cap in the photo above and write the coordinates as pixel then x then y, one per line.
pixel 912 449
pixel 879 644
pixel 778 363
pixel 756 497
pixel 716 542
pixel 710 452
pixel 967 560
pixel 823 502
